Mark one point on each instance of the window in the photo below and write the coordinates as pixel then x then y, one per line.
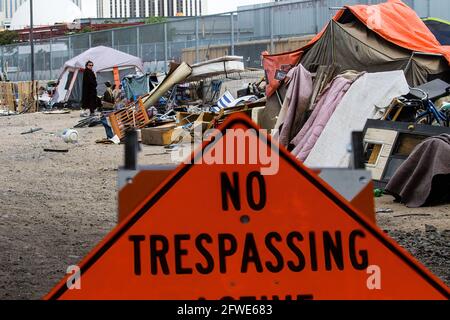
pixel 142 8
pixel 152 8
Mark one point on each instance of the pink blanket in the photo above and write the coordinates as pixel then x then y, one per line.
pixel 326 105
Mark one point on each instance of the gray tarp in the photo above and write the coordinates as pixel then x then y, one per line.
pixel 425 176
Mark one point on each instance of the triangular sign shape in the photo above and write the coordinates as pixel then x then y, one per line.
pixel 228 231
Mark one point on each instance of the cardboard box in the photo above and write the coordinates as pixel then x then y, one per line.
pixel 165 135
pixel 184 118
pixel 158 136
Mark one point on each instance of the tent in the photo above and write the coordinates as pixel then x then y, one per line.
pixel 384 37
pixel 374 38
pixel 109 65
pixel 440 29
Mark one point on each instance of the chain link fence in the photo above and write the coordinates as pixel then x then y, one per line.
pixel 245 32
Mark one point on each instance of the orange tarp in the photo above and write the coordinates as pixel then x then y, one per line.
pixel 275 62
pixel 397 23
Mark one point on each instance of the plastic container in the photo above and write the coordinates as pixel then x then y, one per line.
pixel 70 136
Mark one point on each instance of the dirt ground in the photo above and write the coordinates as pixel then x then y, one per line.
pixel 54 208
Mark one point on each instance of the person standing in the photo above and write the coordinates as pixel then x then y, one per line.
pixel 89 96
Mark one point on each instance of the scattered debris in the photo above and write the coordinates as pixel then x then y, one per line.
pixel 90 122
pixel 7 113
pixel 156 154
pixel 104 141
pixel 378 193
pixel 385 211
pixel 70 136
pixel 31 131
pixel 56 150
pixel 413 215
pixel 56 112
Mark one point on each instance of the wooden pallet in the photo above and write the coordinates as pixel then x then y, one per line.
pixel 133 116
pixel 26 96
pixel 7 98
pixel 19 96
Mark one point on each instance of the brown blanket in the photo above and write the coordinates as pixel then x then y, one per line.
pixel 425 176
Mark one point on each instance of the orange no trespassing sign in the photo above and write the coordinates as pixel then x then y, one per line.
pixel 229 232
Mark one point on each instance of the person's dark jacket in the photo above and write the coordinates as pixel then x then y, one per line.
pixel 89 99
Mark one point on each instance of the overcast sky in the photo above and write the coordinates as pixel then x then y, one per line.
pixel 214 6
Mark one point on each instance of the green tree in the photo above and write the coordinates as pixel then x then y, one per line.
pixel 8 37
pixel 86 30
pixel 154 20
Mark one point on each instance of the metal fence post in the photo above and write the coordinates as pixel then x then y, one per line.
pixel 232 33
pixel 51 59
pixel 3 60
pixel 238 34
pixel 138 40
pixel 316 17
pixel 197 41
pixel 113 39
pixel 272 45
pixel 166 56
pixel 90 40
pixel 70 48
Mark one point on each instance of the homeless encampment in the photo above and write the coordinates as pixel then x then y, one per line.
pixel 371 38
pixel 384 37
pixel 109 65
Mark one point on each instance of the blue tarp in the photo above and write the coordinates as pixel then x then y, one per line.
pixel 136 86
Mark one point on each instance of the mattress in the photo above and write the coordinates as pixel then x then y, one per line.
pixel 219 66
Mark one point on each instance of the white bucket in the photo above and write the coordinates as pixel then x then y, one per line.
pixel 70 136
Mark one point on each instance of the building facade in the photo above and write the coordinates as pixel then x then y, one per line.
pixel 9 7
pixel 149 8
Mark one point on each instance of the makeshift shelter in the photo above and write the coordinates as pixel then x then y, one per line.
pixel 372 38
pixel 440 28
pixel 384 37
pixel 224 65
pixel 109 65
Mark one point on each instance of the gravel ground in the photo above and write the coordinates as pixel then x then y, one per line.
pixel 430 247
pixel 54 208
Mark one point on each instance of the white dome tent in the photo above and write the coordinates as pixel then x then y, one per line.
pixel 109 65
pixel 45 13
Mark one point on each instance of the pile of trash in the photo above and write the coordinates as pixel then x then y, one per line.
pixel 313 99
pixel 203 94
pixel 386 82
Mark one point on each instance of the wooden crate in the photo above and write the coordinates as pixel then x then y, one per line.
pixel 133 116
